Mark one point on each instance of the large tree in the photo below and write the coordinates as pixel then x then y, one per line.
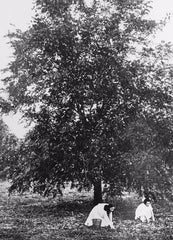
pixel 83 74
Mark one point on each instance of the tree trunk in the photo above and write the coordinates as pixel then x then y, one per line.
pixel 97 192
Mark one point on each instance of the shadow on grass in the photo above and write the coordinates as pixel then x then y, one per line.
pixel 59 209
pixel 31 217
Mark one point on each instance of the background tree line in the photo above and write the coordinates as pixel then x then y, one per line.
pixel 8 148
pixel 99 93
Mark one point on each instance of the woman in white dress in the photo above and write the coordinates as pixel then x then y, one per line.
pixel 102 211
pixel 144 211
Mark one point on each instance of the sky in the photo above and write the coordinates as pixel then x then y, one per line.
pixel 18 14
pixel 13 14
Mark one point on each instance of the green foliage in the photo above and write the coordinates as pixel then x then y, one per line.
pixel 83 76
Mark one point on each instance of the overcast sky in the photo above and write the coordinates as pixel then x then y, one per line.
pixel 18 14
pixel 13 14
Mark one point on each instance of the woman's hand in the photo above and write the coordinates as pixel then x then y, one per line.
pixel 112 227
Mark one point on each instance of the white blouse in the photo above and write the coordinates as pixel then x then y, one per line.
pixel 98 212
pixel 144 211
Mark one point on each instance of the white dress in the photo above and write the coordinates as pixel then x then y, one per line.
pixel 98 212
pixel 144 213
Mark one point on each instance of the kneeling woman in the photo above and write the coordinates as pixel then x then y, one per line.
pixel 144 211
pixel 102 211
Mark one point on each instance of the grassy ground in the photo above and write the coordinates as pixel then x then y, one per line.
pixel 30 217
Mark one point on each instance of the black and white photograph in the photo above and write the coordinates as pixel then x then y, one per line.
pixel 86 120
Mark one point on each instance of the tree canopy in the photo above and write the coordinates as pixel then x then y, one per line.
pixel 99 93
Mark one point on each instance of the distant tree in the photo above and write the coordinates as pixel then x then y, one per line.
pixel 150 170
pixel 83 75
pixel 8 146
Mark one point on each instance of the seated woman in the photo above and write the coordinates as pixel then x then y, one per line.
pixel 102 211
pixel 144 211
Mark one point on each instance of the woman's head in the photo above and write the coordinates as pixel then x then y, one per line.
pixel 109 208
pixel 147 201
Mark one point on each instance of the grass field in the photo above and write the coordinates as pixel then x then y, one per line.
pixel 30 217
